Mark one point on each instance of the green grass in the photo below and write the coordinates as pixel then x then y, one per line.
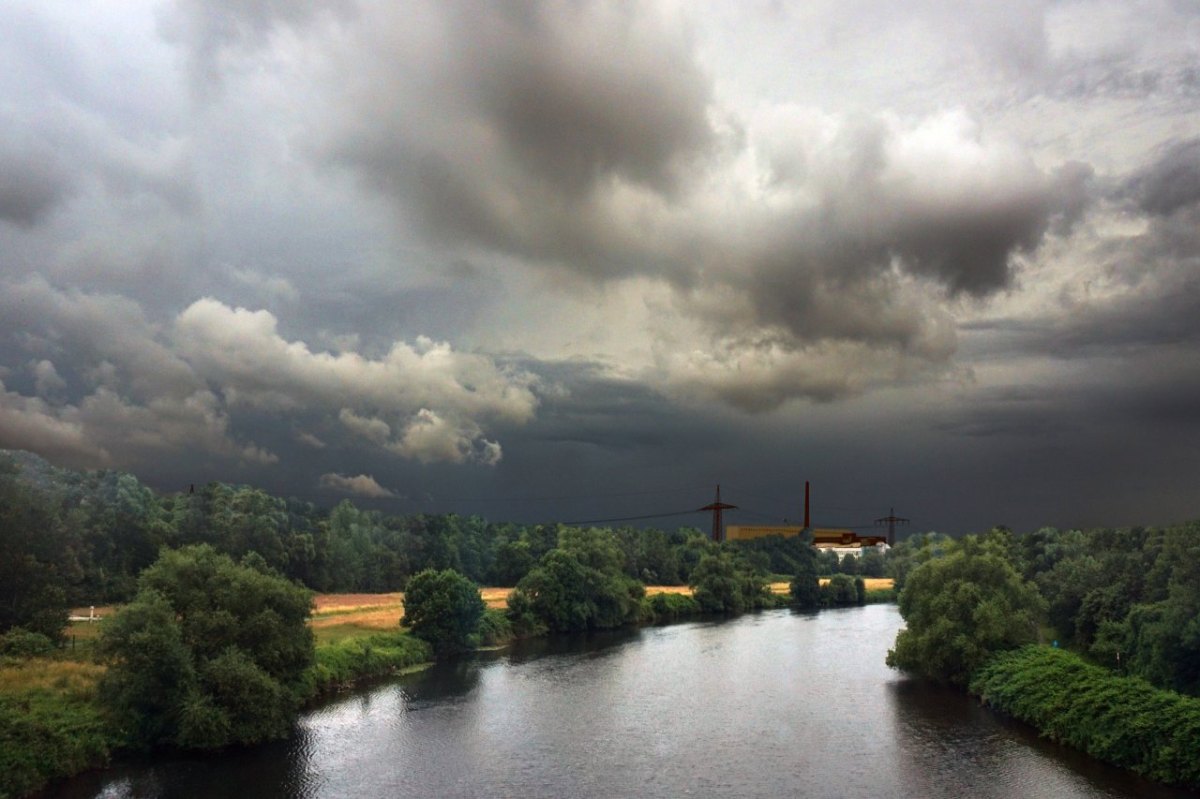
pixel 353 659
pixel 51 725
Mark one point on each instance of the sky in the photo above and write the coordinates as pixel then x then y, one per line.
pixel 573 261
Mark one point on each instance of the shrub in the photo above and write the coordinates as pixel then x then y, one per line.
pixel 1124 721
pixel 443 608
pixel 210 653
pixel 961 609
pixel 666 607
pixel 21 643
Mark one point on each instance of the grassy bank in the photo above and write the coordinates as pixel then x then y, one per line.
pixel 1121 720
pixel 350 660
pixel 53 726
pixel 50 723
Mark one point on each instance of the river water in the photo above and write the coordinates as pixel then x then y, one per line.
pixel 765 705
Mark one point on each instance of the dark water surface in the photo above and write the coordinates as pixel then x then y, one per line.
pixel 768 705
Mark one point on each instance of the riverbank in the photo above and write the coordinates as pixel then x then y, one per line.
pixel 52 725
pixel 1123 721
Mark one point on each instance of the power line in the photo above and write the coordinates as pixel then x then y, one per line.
pixel 560 497
pixel 635 518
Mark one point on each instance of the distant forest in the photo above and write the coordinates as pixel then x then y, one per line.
pixel 91 533
pixel 1127 598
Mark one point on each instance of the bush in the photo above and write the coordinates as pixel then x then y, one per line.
pixel 493 629
pixel 50 723
pixel 722 584
pixel 210 653
pixel 841 590
pixel 960 609
pixel 443 608
pixel 666 607
pixel 21 643
pixel 1124 721
pixel 578 586
pixel 805 589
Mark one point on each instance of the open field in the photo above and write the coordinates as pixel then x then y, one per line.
pixel 340 616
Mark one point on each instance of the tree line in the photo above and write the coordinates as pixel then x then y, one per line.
pixel 70 538
pixel 1126 599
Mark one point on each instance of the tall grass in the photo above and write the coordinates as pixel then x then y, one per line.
pixel 50 723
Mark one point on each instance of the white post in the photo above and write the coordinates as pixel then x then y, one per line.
pixel 91 613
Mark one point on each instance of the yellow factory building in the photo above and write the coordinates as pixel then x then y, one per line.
pixel 823 538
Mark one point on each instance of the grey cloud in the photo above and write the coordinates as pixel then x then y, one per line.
pixel 1171 182
pixel 210 30
pixel 525 135
pixel 1157 305
pixel 140 388
pixel 508 126
pixel 32 180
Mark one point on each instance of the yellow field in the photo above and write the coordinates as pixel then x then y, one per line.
pixel 43 674
pixel 338 616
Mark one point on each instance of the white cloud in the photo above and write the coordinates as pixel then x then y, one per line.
pixel 429 438
pixel 361 485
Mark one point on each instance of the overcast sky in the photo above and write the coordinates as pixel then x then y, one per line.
pixel 580 261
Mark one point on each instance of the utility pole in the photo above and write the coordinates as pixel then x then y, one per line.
pixel 716 508
pixel 891 520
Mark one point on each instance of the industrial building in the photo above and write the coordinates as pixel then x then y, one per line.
pixel 844 542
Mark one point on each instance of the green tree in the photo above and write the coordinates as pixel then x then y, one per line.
pixel 209 653
pixel 828 562
pixel 579 585
pixel 912 552
pixel 849 564
pixel 721 583
pixel 959 610
pixel 34 564
pixel 806 586
pixel 871 564
pixel 842 589
pixel 443 608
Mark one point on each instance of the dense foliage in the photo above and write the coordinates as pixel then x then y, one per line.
pixel 725 583
pixel 1121 720
pixel 49 732
pixel 443 608
pixel 579 585
pixel 805 586
pixel 960 609
pixel 35 564
pixel 209 653
pixel 82 538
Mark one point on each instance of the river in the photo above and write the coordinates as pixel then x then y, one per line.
pixel 765 705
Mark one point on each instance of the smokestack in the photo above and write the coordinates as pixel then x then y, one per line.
pixel 806 520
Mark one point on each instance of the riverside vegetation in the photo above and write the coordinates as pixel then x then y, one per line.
pixel 1124 600
pixel 213 648
pixel 1092 637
